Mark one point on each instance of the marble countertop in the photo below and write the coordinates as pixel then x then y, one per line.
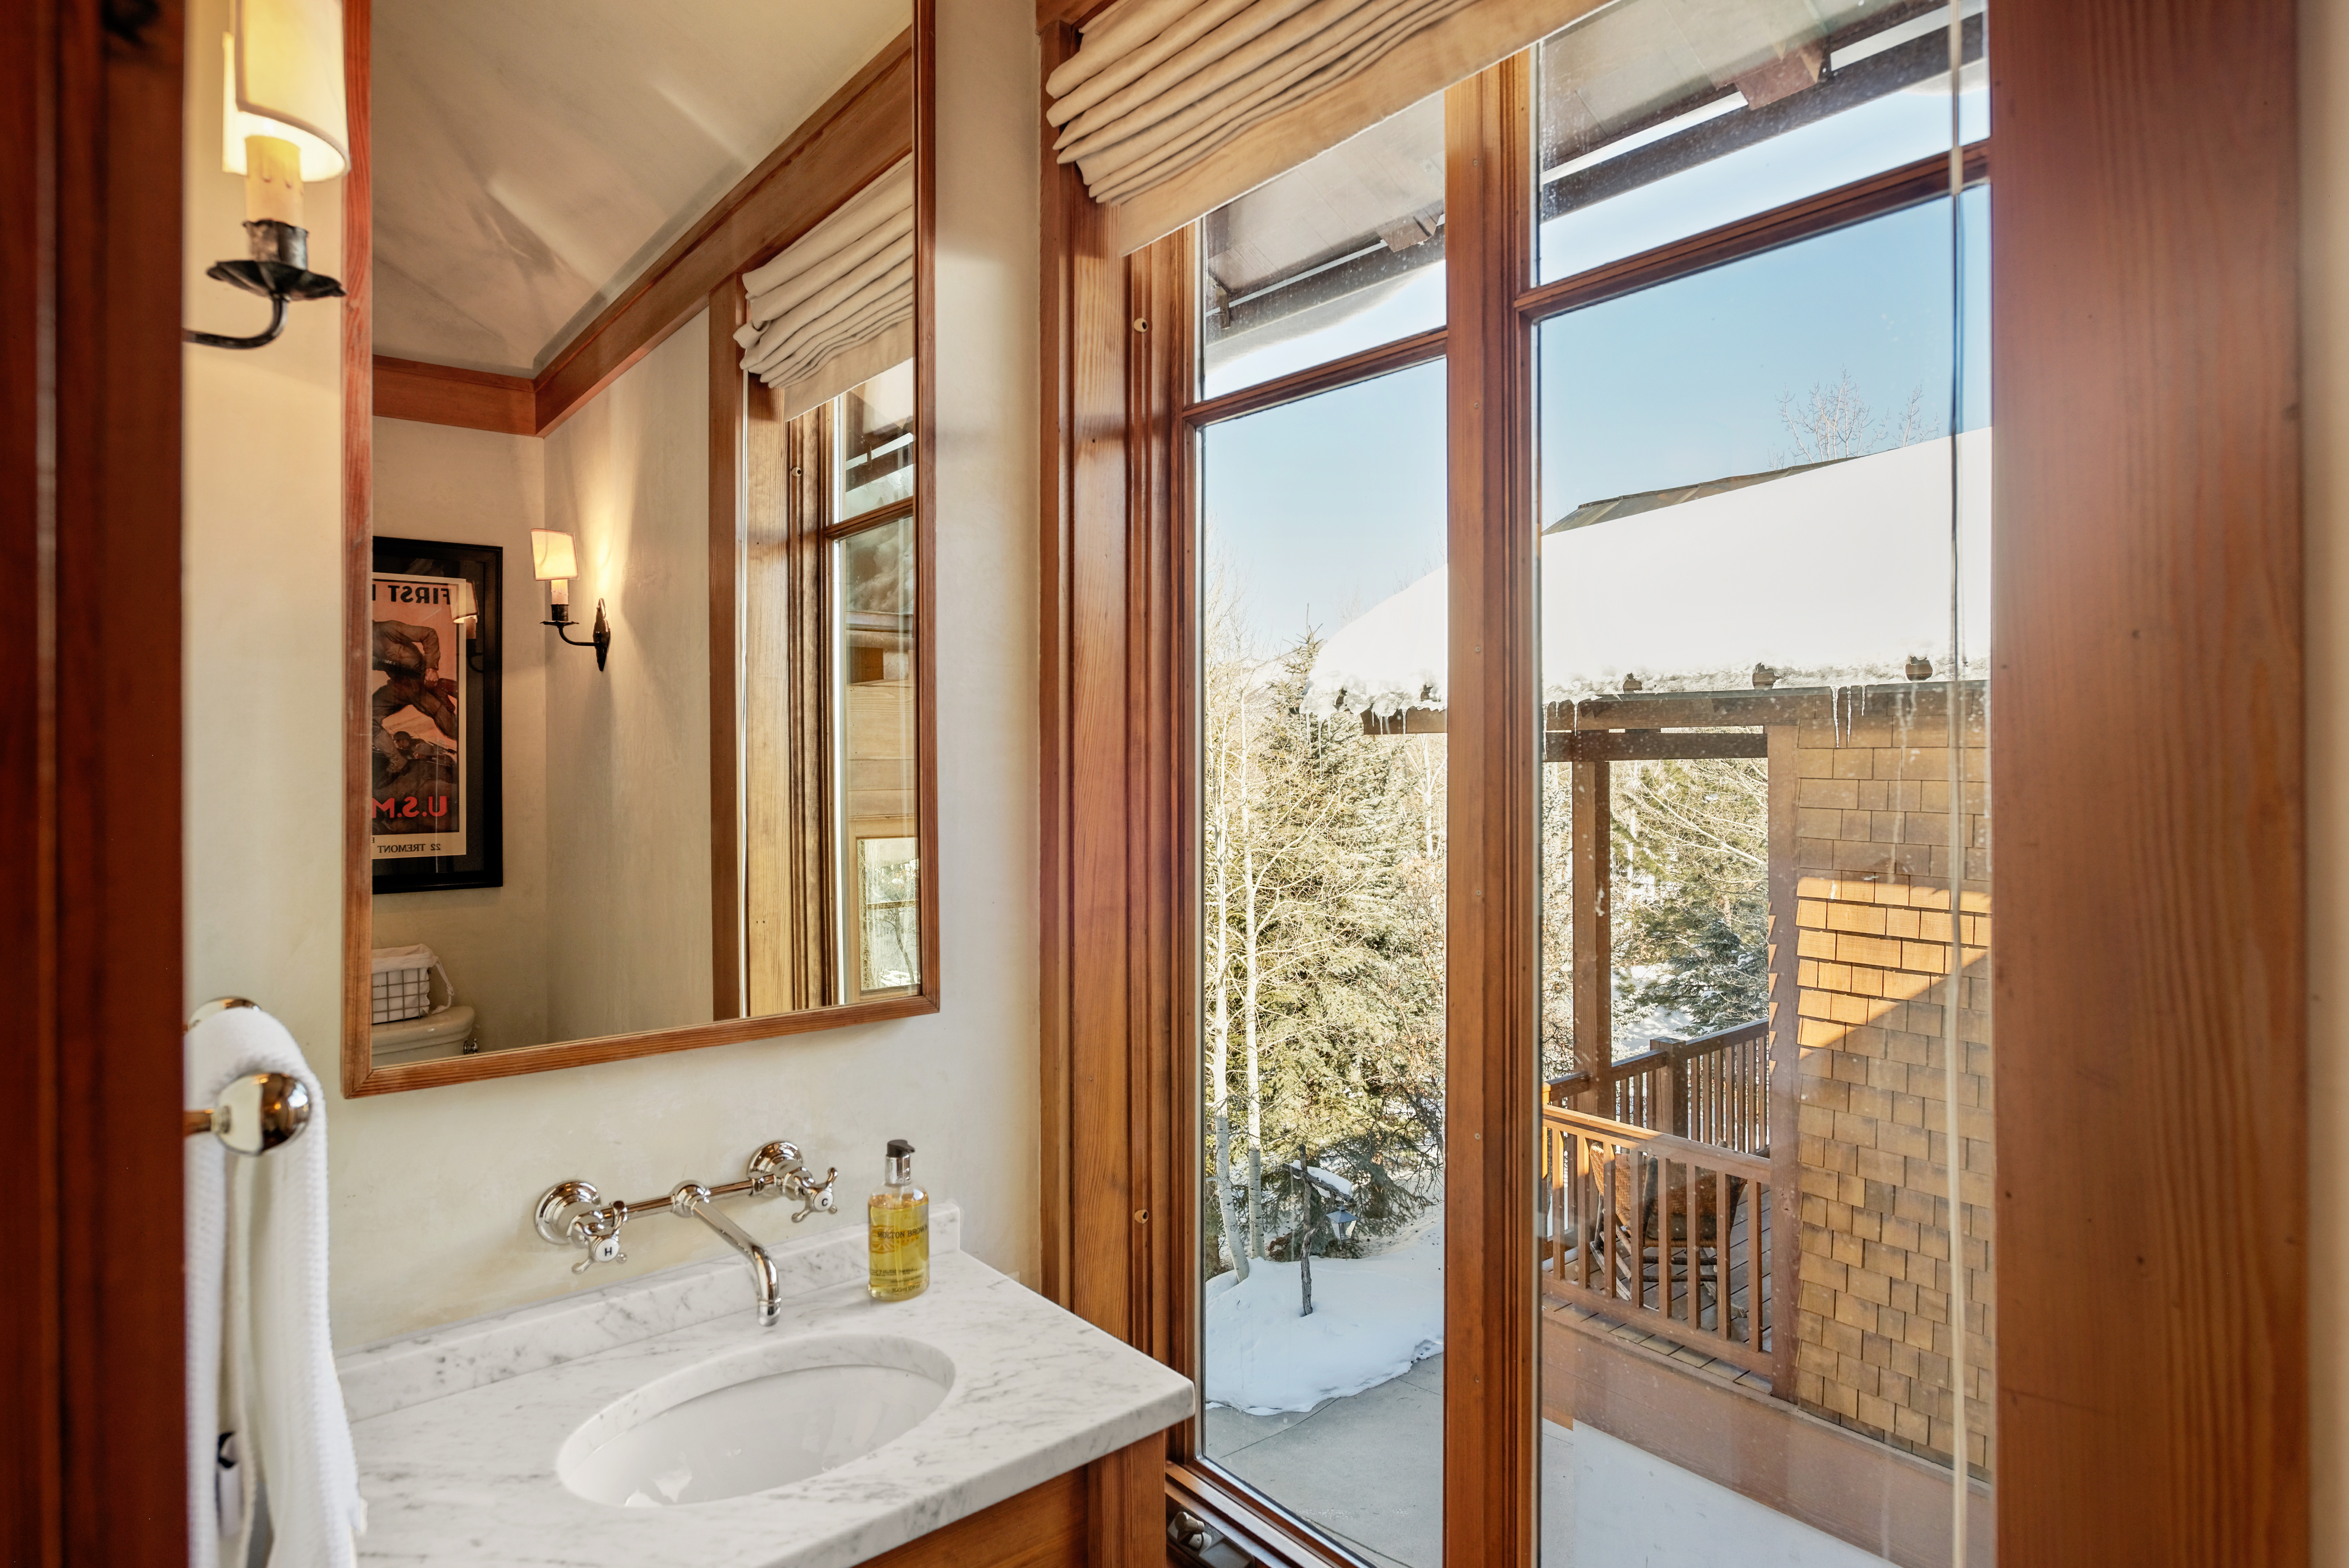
pixel 457 1430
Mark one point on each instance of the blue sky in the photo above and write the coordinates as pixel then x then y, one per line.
pixel 1324 507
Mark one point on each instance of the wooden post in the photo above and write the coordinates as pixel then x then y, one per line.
pixel 1594 1024
pixel 1786 1065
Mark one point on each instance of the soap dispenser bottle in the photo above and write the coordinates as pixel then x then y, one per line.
pixel 897 1233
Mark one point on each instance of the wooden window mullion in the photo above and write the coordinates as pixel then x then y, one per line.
pixel 1491 1431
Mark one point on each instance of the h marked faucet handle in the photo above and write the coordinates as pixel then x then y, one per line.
pixel 602 1250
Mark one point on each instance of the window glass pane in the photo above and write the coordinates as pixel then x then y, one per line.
pixel 877 443
pixel 1341 253
pixel 887 888
pixel 1766 886
pixel 1661 118
pixel 873 655
pixel 1322 857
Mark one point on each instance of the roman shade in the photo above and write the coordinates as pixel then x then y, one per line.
pixel 1169 108
pixel 836 308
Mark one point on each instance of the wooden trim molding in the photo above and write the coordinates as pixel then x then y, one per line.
pixel 445 394
pixel 924 119
pixel 357 535
pixel 860 132
pixel 2146 713
pixel 1051 13
pixel 729 498
pixel 1081 635
pixel 92 290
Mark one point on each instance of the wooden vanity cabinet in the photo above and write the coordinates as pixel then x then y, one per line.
pixel 1112 1513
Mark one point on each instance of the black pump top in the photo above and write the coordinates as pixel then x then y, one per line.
pixel 899 1149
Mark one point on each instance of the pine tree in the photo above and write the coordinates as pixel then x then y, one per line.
pixel 1322 885
pixel 1692 893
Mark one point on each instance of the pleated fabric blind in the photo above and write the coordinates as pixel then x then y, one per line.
pixel 836 308
pixel 1171 108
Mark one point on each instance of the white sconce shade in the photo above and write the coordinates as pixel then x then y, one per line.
pixel 551 557
pixel 286 79
pixel 466 605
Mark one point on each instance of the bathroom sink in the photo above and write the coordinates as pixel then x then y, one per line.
pixel 755 1420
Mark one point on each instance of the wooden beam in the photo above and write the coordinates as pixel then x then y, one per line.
pixel 445 394
pixel 862 131
pixel 2146 713
pixel 1696 710
pixel 1652 745
pixel 1853 1488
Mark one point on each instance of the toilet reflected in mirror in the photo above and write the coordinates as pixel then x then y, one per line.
pixel 412 1019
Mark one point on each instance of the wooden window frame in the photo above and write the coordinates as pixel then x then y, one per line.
pixel 2146 579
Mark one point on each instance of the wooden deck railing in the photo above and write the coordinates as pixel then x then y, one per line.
pixel 1713 1089
pixel 1662 1231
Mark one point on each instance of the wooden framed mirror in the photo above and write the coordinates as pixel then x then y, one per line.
pixel 639 679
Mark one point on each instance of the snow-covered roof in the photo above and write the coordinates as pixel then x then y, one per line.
pixel 1829 573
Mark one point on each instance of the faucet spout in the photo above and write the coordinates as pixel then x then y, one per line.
pixel 692 1199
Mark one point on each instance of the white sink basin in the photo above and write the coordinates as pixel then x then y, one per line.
pixel 755 1420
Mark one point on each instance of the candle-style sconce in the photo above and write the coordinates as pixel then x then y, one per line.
pixel 554 561
pixel 284 122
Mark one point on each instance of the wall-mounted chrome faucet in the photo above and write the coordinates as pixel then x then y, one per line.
pixel 574 1214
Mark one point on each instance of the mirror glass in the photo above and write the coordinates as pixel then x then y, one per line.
pixel 644 734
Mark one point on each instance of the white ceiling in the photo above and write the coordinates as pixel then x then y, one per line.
pixel 532 156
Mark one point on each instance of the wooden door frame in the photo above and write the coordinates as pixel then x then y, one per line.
pixel 2146 731
pixel 89 758
pixel 2147 715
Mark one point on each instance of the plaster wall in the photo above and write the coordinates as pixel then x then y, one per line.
pixel 627 746
pixel 479 487
pixel 431 1189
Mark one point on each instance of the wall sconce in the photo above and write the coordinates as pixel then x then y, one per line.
pixel 284 122
pixel 555 563
pixel 467 612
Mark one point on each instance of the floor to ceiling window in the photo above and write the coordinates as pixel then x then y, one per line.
pixel 1758 428
pixel 1322 851
pixel 1761 485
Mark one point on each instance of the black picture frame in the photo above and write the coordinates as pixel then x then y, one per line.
pixel 483 864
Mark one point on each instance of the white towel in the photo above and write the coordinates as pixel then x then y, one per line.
pixel 281 1358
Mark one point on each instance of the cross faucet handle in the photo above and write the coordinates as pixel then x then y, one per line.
pixel 815 1197
pixel 602 1250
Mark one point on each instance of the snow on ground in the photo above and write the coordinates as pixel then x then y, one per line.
pixel 1373 1317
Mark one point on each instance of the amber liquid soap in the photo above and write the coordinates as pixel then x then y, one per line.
pixel 898 1231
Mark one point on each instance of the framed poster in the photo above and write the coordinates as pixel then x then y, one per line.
pixel 435 810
